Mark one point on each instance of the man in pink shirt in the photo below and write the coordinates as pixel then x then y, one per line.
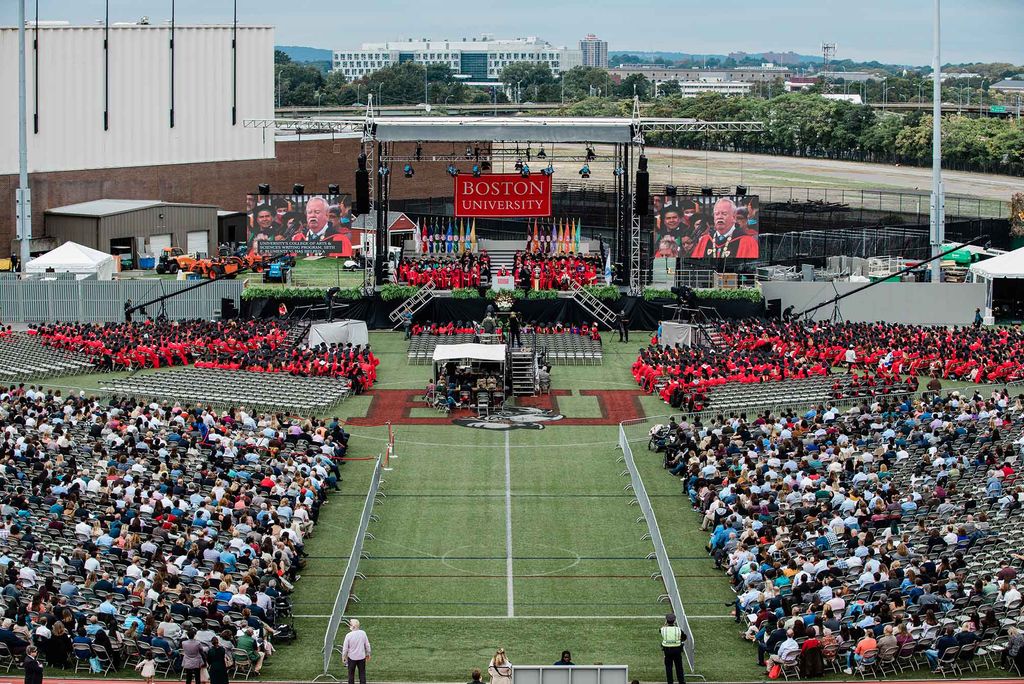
pixel 355 652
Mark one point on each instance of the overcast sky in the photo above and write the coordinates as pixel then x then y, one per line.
pixel 894 31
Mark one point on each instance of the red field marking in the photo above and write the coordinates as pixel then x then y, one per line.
pixel 396 405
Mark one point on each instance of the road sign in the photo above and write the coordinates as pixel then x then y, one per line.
pixel 997 109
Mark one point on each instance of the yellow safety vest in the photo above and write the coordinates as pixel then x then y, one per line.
pixel 671 635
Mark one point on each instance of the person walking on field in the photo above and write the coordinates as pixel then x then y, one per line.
pixel 672 638
pixel 355 652
pixel 500 669
pixel 33 668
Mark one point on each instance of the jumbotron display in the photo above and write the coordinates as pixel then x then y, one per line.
pixel 707 227
pixel 301 224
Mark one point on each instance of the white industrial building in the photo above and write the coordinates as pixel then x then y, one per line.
pixel 477 59
pixel 94 108
pixel 697 88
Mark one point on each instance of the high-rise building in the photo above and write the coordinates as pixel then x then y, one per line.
pixel 595 51
pixel 477 59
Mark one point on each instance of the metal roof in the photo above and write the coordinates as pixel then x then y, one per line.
pixel 110 207
pixel 1008 84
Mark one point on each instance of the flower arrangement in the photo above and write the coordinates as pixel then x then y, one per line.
pixel 504 300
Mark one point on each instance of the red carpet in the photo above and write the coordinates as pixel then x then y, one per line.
pixel 394 405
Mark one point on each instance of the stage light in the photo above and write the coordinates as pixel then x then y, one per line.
pixel 298 189
pixel 519 164
pixel 542 154
pixel 549 170
pixel 590 154
pixel 452 170
pixel 670 190
pixel 476 170
pixel 525 171
pixel 469 152
pixel 619 171
pixel 419 152
pixel 741 190
pixel 383 171
pixel 409 171
pixel 264 188
pixel 585 170
pixel 333 189
pixel 707 192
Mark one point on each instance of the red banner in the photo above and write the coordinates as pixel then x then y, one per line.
pixel 500 195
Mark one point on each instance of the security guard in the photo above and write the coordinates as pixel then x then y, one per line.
pixel 672 638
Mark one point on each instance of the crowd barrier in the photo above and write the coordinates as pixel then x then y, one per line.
pixel 668 576
pixel 351 570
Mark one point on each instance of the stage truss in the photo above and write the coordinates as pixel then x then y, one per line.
pixel 627 135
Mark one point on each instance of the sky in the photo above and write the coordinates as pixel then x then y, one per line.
pixel 891 31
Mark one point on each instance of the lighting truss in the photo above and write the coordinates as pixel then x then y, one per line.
pixel 684 126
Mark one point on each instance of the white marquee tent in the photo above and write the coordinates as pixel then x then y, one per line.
pixel 72 257
pixel 1005 266
pixel 469 354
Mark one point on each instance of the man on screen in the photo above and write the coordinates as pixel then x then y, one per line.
pixel 264 227
pixel 318 225
pixel 726 240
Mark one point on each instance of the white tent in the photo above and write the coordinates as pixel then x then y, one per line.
pixel 1009 265
pixel 339 332
pixel 72 257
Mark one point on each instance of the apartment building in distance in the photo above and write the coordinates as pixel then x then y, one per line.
pixel 594 51
pixel 476 59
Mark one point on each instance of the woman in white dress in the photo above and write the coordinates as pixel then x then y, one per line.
pixel 500 669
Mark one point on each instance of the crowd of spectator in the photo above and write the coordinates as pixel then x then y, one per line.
pixel 555 272
pixel 252 345
pixel 446 272
pixel 134 531
pixel 878 539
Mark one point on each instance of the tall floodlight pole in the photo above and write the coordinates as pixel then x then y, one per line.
pixel 24 197
pixel 938 204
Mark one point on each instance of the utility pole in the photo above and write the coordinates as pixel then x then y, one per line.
pixel 938 202
pixel 24 195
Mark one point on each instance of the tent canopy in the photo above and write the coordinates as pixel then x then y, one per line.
pixel 1009 265
pixel 488 353
pixel 339 332
pixel 72 257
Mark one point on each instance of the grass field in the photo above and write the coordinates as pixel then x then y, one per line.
pixel 522 539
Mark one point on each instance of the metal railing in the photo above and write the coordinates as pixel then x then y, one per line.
pixel 668 576
pixel 351 570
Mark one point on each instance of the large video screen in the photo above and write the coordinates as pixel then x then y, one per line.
pixel 302 225
pixel 702 227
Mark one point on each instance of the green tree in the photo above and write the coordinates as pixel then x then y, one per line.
pixel 635 84
pixel 281 57
pixel 583 82
pixel 526 80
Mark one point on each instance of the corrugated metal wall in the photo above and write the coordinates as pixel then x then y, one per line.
pixel 72 90
pixel 65 299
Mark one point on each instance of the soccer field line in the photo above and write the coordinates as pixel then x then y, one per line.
pixel 660 616
pixel 508 529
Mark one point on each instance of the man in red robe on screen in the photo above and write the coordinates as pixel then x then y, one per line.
pixel 726 240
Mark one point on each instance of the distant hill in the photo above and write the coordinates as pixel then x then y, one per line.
pixel 300 53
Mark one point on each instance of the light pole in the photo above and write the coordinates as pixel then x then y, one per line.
pixel 24 195
pixel 938 208
pixel 981 107
pixel 380 94
pixel 885 93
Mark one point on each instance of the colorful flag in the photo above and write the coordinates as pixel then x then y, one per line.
pixel 579 233
pixel 462 239
pixel 535 245
pixel 608 267
pixel 554 238
pixel 472 236
pixel 449 243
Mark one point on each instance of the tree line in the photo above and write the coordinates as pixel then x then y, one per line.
pixel 796 124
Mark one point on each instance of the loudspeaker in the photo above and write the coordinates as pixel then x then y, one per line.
pixel 773 308
pixel 643 188
pixel 362 203
pixel 227 309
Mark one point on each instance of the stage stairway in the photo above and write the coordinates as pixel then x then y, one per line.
pixel 522 362
pixel 601 312
pixel 412 304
